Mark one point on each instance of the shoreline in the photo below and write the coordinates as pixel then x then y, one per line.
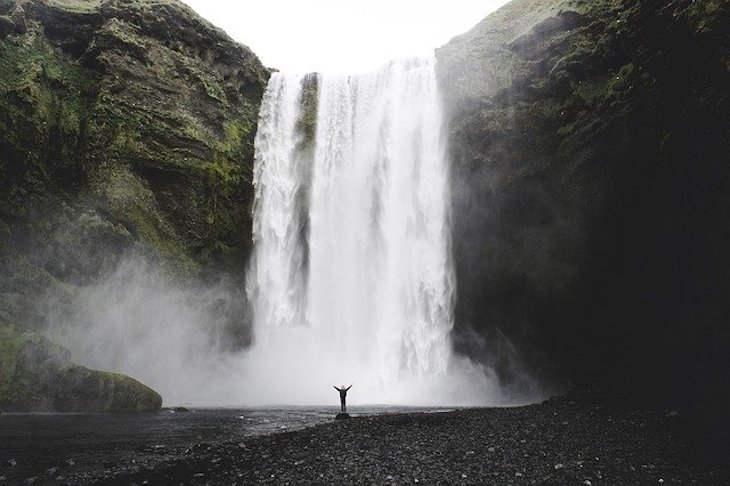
pixel 574 439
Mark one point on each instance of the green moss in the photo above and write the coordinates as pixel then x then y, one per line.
pixel 76 6
pixel 125 128
pixel 237 134
pixel 213 88
pixel 134 204
pixel 11 342
pixel 621 82
pixel 223 176
pixel 35 375
pixel 567 129
pixel 208 81
pixel 102 391
pixel 222 180
pixel 149 230
pixel 44 104
pixel 225 173
pixel 123 37
pixel 124 33
pixel 127 394
pixel 26 65
pixel 702 15
pixel 28 369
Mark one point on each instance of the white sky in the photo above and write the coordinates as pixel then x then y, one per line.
pixel 345 36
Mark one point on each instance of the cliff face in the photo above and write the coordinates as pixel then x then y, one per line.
pixel 126 129
pixel 140 108
pixel 590 149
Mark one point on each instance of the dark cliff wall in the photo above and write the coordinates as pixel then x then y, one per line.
pixel 591 189
pixel 126 131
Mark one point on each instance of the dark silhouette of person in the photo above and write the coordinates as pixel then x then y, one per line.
pixel 343 397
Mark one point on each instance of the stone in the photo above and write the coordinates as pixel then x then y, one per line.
pixel 48 380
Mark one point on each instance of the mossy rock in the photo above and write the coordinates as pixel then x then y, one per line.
pixel 83 390
pixel 38 376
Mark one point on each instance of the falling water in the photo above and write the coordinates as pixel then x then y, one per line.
pixel 351 280
pixel 278 292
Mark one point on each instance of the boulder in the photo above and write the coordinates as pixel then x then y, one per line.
pixel 38 376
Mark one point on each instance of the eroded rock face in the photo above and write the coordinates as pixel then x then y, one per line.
pixel 137 106
pixel 590 187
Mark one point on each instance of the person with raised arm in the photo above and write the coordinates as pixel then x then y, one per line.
pixel 343 396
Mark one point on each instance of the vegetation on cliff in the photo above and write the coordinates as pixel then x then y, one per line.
pixel 136 106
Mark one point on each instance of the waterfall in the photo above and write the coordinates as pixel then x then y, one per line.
pixel 351 278
pixel 277 269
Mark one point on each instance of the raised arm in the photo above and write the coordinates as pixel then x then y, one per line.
pixel 335 387
pixel 348 387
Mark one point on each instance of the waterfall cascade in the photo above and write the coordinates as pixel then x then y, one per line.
pixel 351 278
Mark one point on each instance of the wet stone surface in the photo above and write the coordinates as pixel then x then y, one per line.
pixel 571 440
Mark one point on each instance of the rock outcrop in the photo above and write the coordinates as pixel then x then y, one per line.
pixel 38 376
pixel 590 185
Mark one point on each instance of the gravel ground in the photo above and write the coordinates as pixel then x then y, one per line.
pixel 569 440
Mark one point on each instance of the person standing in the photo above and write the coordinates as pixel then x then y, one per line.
pixel 343 397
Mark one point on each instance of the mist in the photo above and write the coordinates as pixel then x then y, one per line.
pixel 351 279
pixel 175 337
pixel 178 338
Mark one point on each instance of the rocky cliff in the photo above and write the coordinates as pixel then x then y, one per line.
pixel 126 129
pixel 590 178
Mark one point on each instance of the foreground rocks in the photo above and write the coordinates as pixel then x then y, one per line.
pixel 582 439
pixel 38 376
